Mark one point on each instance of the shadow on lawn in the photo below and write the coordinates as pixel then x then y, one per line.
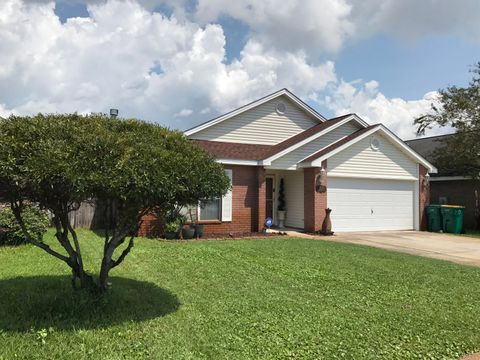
pixel 41 302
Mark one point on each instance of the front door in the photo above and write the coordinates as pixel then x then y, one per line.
pixel 269 197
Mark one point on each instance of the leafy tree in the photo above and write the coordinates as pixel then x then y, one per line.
pixel 59 161
pixel 459 108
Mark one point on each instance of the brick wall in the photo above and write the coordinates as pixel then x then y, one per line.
pixel 248 190
pixel 244 202
pixel 424 197
pixel 314 203
pixel 150 226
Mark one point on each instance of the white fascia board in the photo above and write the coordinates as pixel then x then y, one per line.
pixel 450 178
pixel 372 176
pixel 360 120
pixel 238 162
pixel 307 140
pixel 391 136
pixel 253 104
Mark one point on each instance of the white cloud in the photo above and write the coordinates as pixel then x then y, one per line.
pixel 184 113
pixel 413 19
pixel 320 26
pixel 174 71
pixel 323 25
pixel 147 65
pixel 368 102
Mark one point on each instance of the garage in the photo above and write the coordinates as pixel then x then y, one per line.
pixel 371 204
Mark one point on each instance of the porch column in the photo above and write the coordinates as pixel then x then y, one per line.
pixel 260 198
pixel 314 203
pixel 424 196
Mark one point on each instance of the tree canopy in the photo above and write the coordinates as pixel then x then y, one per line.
pixel 59 161
pixel 459 108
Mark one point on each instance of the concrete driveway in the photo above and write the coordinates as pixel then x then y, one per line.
pixel 459 249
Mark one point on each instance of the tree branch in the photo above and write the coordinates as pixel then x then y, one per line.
pixel 16 209
pixel 77 247
pixel 124 253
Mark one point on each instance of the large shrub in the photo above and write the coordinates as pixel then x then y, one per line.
pixel 36 222
pixel 132 166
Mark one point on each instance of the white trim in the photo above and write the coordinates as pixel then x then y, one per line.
pixel 274 188
pixel 226 204
pixel 253 104
pixel 372 176
pixel 359 120
pixel 295 146
pixel 317 162
pixel 238 162
pixel 416 202
pixel 449 178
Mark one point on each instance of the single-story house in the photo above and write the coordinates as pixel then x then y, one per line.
pixel 450 187
pixel 368 176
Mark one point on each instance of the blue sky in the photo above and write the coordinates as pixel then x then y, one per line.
pixel 204 58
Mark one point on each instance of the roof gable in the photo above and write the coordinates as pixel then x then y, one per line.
pixel 297 111
pixel 342 144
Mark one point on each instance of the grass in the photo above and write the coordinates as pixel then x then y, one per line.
pixel 278 298
pixel 472 233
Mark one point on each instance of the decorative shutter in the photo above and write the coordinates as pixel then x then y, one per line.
pixel 227 200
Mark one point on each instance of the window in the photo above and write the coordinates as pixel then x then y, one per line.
pixel 210 210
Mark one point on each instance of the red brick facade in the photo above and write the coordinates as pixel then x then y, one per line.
pixel 248 203
pixel 248 191
pixel 314 203
pixel 150 226
pixel 424 196
pixel 245 198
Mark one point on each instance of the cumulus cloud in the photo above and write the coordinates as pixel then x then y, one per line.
pixel 148 65
pixel 366 100
pixel 412 19
pixel 320 26
pixel 173 70
pixel 287 25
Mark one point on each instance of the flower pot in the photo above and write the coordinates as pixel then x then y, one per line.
pixel 281 218
pixel 188 233
pixel 198 231
pixel 170 235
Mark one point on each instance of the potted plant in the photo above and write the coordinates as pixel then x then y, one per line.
pixel 281 205
pixel 171 230
pixel 188 231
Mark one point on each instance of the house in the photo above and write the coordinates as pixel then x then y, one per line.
pixel 369 177
pixel 450 187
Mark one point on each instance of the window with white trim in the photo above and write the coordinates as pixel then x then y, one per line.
pixel 219 209
pixel 210 210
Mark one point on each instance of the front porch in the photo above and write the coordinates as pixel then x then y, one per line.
pixel 305 207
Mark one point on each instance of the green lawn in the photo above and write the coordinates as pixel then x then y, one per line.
pixel 277 298
pixel 472 233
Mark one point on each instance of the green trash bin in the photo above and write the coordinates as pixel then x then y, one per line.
pixel 452 216
pixel 434 218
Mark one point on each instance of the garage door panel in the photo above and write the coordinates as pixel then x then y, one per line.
pixel 368 204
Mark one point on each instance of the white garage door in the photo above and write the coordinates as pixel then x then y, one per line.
pixel 367 204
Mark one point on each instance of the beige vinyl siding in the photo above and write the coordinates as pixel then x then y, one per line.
pixel 360 160
pixel 294 198
pixel 290 160
pixel 260 125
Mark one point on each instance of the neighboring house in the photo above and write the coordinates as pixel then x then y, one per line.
pixel 368 176
pixel 455 189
